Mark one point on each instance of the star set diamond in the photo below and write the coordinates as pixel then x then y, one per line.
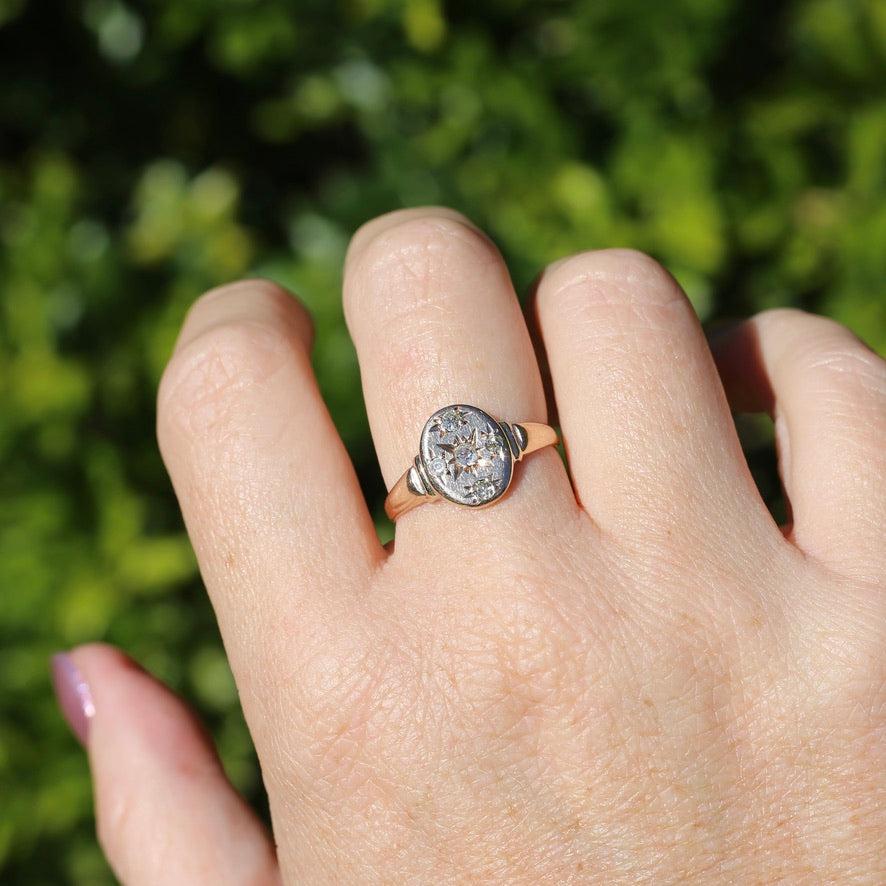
pixel 465 455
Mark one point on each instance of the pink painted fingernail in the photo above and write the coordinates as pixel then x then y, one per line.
pixel 72 692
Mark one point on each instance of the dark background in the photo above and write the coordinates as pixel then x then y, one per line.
pixel 150 150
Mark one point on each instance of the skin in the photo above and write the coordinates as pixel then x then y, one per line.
pixel 632 677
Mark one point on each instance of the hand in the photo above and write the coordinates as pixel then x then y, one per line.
pixel 633 678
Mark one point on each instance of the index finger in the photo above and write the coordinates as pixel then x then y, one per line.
pixel 268 493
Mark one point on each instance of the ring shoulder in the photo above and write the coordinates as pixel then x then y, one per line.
pixel 408 492
pixel 533 435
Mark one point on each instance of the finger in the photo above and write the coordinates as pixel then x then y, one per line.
pixel 648 431
pixel 165 811
pixel 826 392
pixel 270 498
pixel 435 321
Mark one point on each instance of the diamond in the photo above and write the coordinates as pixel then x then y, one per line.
pixel 452 420
pixel 484 489
pixel 465 455
pixel 436 465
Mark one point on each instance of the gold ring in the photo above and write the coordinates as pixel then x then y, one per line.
pixel 467 457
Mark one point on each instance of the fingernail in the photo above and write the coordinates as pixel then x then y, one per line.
pixel 72 692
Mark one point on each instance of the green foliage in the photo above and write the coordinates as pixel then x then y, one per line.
pixel 150 150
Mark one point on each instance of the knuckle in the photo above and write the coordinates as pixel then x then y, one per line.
pixel 835 360
pixel 208 379
pixel 628 288
pixel 779 317
pixel 622 268
pixel 398 263
pixel 617 276
pixel 235 338
pixel 849 367
pixel 259 298
pixel 404 280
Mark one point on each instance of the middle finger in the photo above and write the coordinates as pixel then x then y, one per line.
pixel 435 321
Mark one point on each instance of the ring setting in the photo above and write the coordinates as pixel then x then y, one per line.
pixel 466 457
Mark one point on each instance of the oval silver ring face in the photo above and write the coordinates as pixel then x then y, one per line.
pixel 465 456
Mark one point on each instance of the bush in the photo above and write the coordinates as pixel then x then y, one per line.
pixel 152 150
